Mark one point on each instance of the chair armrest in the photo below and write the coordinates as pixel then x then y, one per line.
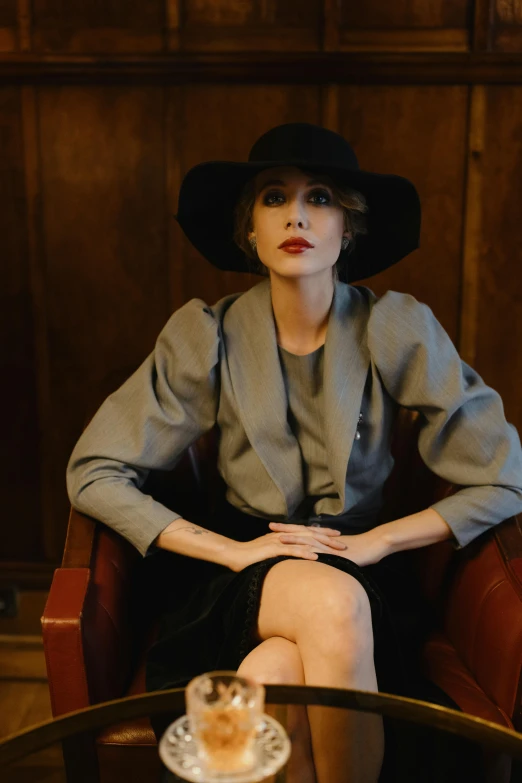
pixel 87 622
pixel 480 608
pixel 63 641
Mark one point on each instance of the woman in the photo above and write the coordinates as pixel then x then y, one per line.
pixel 293 579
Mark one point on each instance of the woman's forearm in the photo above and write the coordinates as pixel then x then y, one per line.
pixel 187 538
pixel 416 530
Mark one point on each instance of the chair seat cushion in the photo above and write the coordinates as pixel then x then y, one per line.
pixel 137 731
pixel 443 666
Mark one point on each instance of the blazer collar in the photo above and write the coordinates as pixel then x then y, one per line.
pixel 258 385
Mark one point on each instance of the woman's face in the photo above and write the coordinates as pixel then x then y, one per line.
pixel 290 203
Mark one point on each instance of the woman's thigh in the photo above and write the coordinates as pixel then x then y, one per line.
pixel 300 597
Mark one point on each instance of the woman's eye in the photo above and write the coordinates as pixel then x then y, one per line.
pixel 314 194
pixel 322 194
pixel 269 196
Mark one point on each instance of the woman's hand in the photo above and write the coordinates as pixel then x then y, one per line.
pixel 361 548
pixel 299 541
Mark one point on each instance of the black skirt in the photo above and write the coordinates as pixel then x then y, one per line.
pixel 207 614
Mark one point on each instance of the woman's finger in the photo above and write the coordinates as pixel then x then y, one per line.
pixel 292 538
pixel 292 528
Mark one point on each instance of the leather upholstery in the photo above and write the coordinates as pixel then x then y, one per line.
pixel 92 654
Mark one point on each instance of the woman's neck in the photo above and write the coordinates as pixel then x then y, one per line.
pixel 301 308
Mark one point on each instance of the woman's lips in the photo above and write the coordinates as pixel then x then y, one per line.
pixel 295 248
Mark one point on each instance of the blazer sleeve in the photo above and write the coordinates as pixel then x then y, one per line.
pixel 168 402
pixel 464 437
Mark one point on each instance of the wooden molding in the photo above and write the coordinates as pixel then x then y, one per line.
pixel 405 40
pixel 28 576
pixel 269 68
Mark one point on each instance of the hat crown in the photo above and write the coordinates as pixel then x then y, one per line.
pixel 306 142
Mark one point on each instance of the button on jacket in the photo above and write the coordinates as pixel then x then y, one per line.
pixel 220 364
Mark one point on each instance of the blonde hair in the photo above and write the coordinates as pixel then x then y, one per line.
pixel 352 202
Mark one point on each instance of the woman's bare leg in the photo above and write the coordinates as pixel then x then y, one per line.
pixel 326 613
pixel 277 660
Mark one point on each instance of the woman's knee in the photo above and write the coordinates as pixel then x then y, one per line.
pixel 274 660
pixel 315 603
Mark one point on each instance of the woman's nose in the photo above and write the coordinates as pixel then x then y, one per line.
pixel 296 215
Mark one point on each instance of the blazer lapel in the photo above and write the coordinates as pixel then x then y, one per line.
pixel 258 386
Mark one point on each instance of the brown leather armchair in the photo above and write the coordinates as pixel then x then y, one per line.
pixel 95 644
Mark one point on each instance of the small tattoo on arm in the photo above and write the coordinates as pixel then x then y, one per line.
pixel 190 530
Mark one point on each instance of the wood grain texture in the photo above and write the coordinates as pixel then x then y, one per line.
pixel 499 309
pixel 406 13
pixel 265 25
pixel 507 26
pixel 20 457
pixel 8 26
pixel 418 133
pixel 404 39
pixel 472 235
pixel 482 24
pixel 103 184
pixel 78 26
pixel 24 25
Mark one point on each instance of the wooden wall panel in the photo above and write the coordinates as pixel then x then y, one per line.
pixel 419 133
pixel 103 184
pixel 116 26
pixel 507 24
pixel 20 446
pixel 499 312
pixel 407 13
pixel 8 24
pixel 251 25
pixel 405 25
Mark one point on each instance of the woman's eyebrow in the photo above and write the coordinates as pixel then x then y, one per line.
pixel 281 182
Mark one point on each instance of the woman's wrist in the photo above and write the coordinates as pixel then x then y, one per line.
pixel 372 545
pixel 193 540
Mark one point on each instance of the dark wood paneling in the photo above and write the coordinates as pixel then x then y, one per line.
pixel 8 13
pixel 78 26
pixel 405 25
pixel 499 318
pixel 407 13
pixel 418 133
pixel 20 447
pixel 483 11
pixel 8 24
pixel 253 25
pixel 507 35
pixel 103 184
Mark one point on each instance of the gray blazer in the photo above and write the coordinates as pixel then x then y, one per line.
pixel 220 364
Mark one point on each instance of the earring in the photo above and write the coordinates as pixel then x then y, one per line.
pixel 253 243
pixel 345 243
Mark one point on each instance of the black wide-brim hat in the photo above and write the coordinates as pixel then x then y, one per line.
pixel 210 190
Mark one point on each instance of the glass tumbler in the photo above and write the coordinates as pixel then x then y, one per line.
pixel 224 711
